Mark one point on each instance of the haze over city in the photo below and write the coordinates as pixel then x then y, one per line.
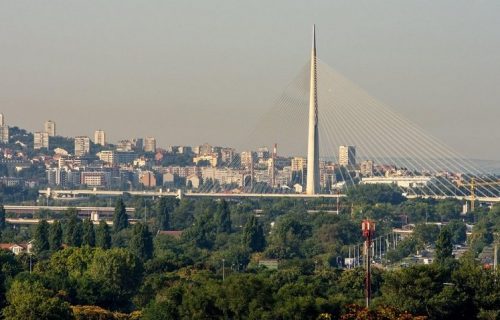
pixel 193 72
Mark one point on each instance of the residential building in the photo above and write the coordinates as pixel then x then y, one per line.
pixel 107 156
pixel 247 159
pixel 95 178
pixel 4 133
pixel 40 140
pixel 100 137
pixel 347 156
pixel 205 149
pixel 263 153
pixel 138 143
pixel 147 179
pixel 193 181
pixel 366 168
pixel 82 146
pixel 299 164
pixel 125 145
pixel 149 144
pixel 401 181
pixel 50 128
pixel 125 157
pixel 227 155
pixel 168 178
pixel 211 158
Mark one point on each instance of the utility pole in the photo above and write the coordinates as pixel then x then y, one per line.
pixel 368 228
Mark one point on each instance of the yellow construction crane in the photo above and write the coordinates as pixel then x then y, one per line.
pixel 473 184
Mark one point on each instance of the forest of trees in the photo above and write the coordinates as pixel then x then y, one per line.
pixel 211 270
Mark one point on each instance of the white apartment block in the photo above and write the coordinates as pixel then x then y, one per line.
pixel 82 145
pixel 40 140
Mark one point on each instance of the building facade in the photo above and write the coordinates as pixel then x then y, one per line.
pixel 50 128
pixel 347 156
pixel 82 146
pixel 150 144
pixel 40 140
pixel 100 137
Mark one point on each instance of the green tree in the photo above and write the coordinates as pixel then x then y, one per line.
pixel 223 217
pixel 103 235
pixel 163 213
pixel 253 235
pixel 444 246
pixel 3 224
pixel 73 231
pixel 29 300
pixel 41 236
pixel 141 243
pixel 120 218
pixel 423 290
pixel 88 237
pixel 116 273
pixel 426 233
pixel 55 236
pixel 458 231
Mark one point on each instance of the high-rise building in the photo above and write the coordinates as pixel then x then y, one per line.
pixel 40 140
pixel 150 144
pixel 4 134
pixel 4 130
pixel 100 137
pixel 366 168
pixel 298 164
pixel 50 128
pixel 82 146
pixel 313 178
pixel 246 159
pixel 138 143
pixel 347 156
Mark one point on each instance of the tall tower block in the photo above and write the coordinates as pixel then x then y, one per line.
pixel 312 186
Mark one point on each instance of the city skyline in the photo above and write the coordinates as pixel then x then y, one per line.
pixel 421 68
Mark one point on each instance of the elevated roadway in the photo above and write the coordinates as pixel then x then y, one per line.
pixel 71 194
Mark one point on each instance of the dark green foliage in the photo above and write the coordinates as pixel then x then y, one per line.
pixel 3 224
pixel 376 193
pixel 203 230
pixel 41 237
pixel 29 300
pixel 458 231
pixel 55 236
pixel 73 231
pixel 444 246
pixel 9 268
pixel 120 218
pixel 253 235
pixel 425 290
pixel 448 209
pixel 141 243
pixel 88 238
pixel 164 207
pixel 405 248
pixel 103 235
pixel 223 217
pixel 426 233
pixel 182 277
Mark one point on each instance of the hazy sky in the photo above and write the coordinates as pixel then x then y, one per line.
pixel 189 72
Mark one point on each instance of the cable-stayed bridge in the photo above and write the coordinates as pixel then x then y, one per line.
pixel 345 137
